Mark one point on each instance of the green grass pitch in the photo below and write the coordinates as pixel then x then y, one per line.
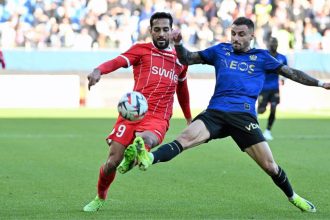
pixel 50 161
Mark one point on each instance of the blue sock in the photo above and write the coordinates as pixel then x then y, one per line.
pixel 167 152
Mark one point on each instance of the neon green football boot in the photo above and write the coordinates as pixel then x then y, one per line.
pixel 302 204
pixel 129 159
pixel 143 156
pixel 94 205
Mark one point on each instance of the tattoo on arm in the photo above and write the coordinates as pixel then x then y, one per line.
pixel 297 76
pixel 186 57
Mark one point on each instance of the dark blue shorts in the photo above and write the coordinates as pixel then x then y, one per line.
pixel 271 96
pixel 242 127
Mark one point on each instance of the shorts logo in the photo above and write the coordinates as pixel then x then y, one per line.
pixel 246 106
pixel 251 126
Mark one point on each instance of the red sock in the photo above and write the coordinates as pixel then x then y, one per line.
pixel 104 182
pixel 148 148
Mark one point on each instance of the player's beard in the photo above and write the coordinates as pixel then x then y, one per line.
pixel 236 47
pixel 162 45
pixel 240 46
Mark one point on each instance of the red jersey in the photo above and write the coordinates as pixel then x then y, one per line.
pixel 156 75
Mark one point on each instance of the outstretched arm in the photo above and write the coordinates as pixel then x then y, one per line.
pixel 301 77
pixel 104 68
pixel 185 56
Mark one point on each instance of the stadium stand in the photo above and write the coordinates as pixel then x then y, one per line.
pixel 86 24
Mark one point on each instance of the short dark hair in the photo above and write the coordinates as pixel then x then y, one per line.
pixel 273 38
pixel 159 15
pixel 244 21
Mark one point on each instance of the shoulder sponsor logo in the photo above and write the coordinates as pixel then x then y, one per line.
pixel 253 57
pixel 228 49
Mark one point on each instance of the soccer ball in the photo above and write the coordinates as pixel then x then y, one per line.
pixel 132 106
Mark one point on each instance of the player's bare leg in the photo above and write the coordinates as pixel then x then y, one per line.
pixel 106 176
pixel 195 134
pixel 262 154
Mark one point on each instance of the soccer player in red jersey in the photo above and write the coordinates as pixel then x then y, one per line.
pixel 157 75
pixel 2 60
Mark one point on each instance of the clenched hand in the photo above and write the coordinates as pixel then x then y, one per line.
pixel 176 36
pixel 93 78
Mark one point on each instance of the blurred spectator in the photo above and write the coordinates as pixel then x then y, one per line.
pixel 227 10
pixel 205 36
pixel 54 39
pixel 298 24
pixel 66 33
pixel 326 41
pixel 312 37
pixel 262 11
pixel 285 37
pixel 98 7
pixel 82 40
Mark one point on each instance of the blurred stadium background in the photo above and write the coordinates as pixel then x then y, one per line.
pixel 50 46
pixel 52 128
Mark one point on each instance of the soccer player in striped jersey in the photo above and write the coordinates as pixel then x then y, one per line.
pixel 270 92
pixel 158 74
pixel 240 72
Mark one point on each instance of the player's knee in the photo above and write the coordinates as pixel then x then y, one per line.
pixel 270 168
pixel 150 141
pixel 188 140
pixel 194 134
pixel 261 110
pixel 111 165
pixel 113 161
pixel 273 108
pixel 185 140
